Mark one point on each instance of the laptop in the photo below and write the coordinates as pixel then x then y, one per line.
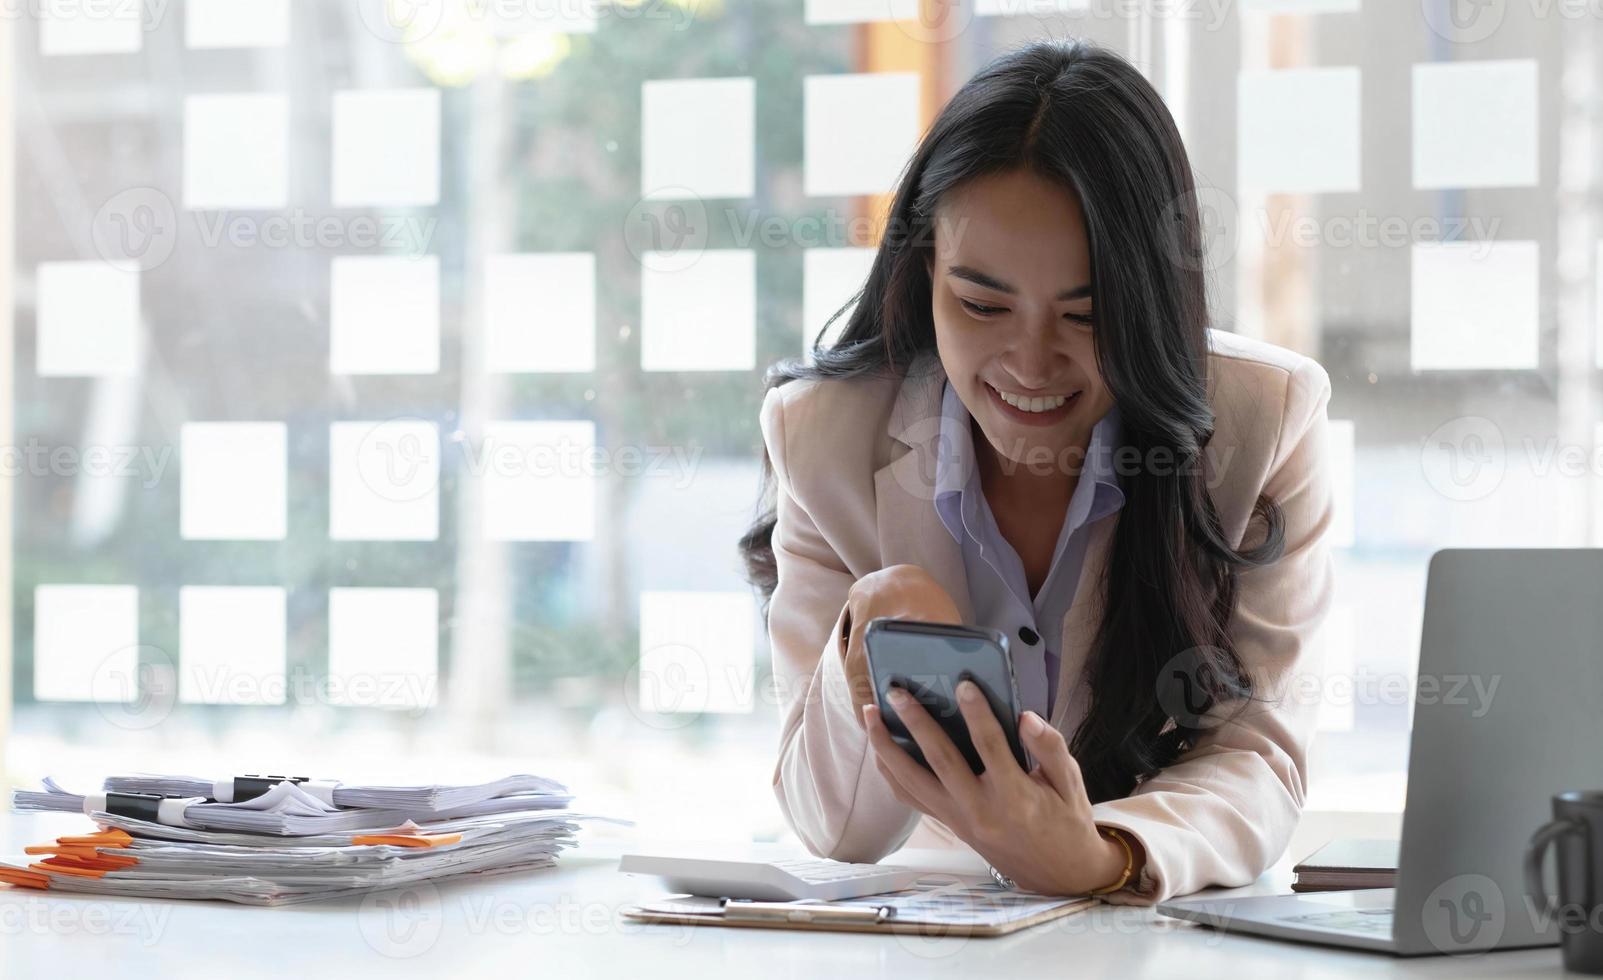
pixel 1484 762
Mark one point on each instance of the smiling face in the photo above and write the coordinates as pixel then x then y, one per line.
pixel 1012 304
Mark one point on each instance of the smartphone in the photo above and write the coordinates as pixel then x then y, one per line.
pixel 927 660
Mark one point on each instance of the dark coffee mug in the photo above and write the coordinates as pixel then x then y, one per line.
pixel 1577 829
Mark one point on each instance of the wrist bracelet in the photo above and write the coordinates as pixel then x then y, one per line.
pixel 1129 862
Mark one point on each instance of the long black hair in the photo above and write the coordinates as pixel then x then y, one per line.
pixel 1085 118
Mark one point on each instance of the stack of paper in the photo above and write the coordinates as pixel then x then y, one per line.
pixel 286 845
pixel 285 808
pixel 238 789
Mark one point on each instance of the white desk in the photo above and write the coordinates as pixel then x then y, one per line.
pixel 564 923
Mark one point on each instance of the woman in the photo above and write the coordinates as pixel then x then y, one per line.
pixel 1028 424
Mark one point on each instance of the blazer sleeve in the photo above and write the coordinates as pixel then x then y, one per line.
pixel 832 796
pixel 1225 810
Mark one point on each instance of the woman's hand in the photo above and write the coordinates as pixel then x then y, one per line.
pixel 1035 827
pixel 901 592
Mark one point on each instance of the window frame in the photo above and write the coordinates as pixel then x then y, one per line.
pixel 8 131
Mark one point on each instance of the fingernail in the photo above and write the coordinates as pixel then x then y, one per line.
pixel 968 690
pixel 1032 724
pixel 897 696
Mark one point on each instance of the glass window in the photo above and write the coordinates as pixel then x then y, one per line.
pixel 385 387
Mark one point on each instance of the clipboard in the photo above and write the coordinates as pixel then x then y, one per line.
pixel 875 914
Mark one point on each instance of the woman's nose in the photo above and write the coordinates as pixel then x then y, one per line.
pixel 1034 361
pixel 1034 374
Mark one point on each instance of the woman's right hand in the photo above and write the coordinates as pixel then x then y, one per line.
pixel 900 592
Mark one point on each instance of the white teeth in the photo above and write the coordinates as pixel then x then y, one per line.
pixel 1045 404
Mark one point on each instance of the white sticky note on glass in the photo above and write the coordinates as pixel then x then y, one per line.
pixel 1027 8
pixel 682 508
pixel 1343 482
pixel 88 323
pixel 858 131
pixel 539 481
pixel 545 17
pixel 231 644
pixel 830 278
pixel 1300 6
pixel 384 315
pixel 701 317
pixel 236 151
pixel 1298 130
pixel 68 27
pixel 383 647
pixel 858 11
pixel 232 481
pixel 698 138
pixel 384 481
pixel 1475 306
pixel 387 148
pixel 86 643
pixel 697 652
pixel 540 312
pixel 1475 124
pixel 236 23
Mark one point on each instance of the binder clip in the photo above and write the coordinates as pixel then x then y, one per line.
pixel 250 786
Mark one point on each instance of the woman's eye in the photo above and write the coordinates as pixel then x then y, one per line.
pixel 980 310
pixel 1085 319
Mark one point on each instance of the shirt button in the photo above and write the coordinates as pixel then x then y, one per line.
pixel 1029 636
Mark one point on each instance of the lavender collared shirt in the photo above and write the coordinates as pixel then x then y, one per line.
pixel 996 580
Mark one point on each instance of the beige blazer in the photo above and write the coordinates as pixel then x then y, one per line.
pixel 854 464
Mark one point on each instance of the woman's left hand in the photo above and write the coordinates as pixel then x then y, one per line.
pixel 1035 827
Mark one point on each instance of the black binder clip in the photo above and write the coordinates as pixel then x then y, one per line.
pixel 250 786
pixel 136 806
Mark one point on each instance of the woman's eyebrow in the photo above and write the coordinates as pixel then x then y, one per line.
pixel 991 282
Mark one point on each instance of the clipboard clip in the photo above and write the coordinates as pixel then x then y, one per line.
pixel 741 910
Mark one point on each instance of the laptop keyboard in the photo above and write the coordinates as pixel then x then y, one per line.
pixel 1378 921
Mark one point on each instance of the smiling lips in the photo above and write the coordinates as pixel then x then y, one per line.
pixel 1033 410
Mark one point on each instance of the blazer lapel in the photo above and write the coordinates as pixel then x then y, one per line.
pixel 1080 624
pixel 910 530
